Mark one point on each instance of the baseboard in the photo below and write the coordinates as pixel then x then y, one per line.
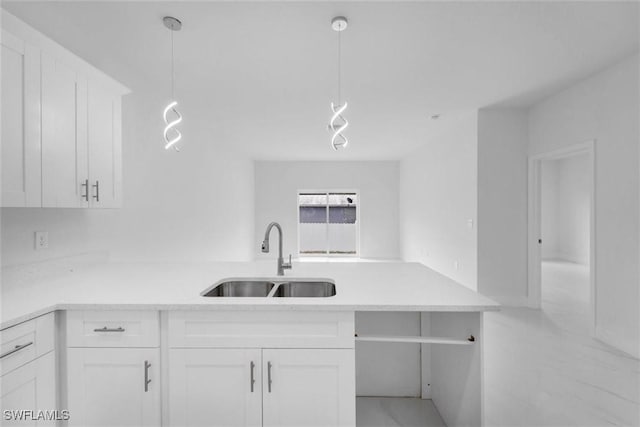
pixel 566 258
pixel 625 346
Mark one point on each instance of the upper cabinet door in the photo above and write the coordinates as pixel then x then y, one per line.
pixel 64 135
pixel 105 147
pixel 20 112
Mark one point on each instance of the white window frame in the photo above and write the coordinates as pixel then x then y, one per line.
pixel 327 192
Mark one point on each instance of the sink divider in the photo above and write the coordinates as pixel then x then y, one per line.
pixel 273 290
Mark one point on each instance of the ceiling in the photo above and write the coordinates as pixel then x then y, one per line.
pixel 259 76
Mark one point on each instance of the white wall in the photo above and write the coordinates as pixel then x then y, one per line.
pixel 566 205
pixel 502 204
pixel 187 206
pixel 605 108
pixel 438 198
pixel 276 198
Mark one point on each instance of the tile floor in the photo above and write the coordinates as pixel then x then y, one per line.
pixel 543 369
pixel 396 412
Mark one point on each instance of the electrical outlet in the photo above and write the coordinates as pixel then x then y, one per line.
pixel 470 224
pixel 42 240
pixel 456 265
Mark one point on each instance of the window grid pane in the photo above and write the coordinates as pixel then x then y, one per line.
pixel 313 214
pixel 327 223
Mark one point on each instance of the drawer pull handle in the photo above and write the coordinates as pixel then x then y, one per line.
pixel 105 329
pixel 269 375
pixel 147 365
pixel 15 349
pixel 253 379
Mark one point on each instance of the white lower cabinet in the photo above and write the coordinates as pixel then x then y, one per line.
pixel 308 387
pixel 261 368
pixel 231 369
pixel 114 386
pixel 254 387
pixel 31 387
pixel 215 387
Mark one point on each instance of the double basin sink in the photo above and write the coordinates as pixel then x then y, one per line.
pixel 278 288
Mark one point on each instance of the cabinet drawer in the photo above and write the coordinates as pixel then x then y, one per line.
pixel 253 329
pixel 25 342
pixel 113 329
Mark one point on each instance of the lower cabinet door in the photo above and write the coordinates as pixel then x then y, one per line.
pixel 215 387
pixel 28 393
pixel 308 387
pixel 114 386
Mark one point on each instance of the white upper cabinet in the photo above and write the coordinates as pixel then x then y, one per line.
pixel 105 147
pixel 64 135
pixel 20 112
pixel 61 125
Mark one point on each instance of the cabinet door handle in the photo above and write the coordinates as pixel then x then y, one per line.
pixel 147 380
pixel 269 376
pixel 253 379
pixel 97 187
pixel 15 349
pixel 105 329
pixel 85 196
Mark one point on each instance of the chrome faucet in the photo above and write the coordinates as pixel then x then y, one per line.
pixel 265 248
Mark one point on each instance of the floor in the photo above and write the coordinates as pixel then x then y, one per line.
pixel 543 369
pixel 396 412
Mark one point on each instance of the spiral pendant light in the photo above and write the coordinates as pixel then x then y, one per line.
pixel 338 123
pixel 171 115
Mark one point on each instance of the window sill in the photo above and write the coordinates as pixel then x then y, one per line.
pixel 344 259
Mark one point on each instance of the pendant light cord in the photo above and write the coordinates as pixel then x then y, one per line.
pixel 339 69
pixel 172 71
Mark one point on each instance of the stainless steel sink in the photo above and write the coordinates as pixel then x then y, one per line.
pixel 241 288
pixel 305 289
pixel 281 288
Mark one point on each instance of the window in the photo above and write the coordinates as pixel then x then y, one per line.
pixel 328 223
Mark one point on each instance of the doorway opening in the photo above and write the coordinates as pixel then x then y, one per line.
pixel 562 235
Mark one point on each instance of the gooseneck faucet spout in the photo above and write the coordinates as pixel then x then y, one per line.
pixel 265 248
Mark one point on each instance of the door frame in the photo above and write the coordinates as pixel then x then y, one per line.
pixel 535 223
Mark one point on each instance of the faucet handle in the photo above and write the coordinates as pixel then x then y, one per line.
pixel 287 265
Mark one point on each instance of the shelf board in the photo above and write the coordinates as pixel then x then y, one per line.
pixel 415 339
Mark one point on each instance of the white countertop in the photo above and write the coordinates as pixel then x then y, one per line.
pixel 370 286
